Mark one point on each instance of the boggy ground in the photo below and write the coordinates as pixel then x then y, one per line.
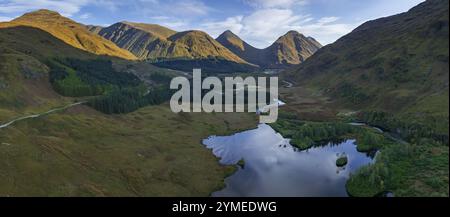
pixel 82 152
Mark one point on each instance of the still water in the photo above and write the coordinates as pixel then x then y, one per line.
pixel 274 168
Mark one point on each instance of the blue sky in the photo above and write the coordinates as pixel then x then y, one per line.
pixel 259 22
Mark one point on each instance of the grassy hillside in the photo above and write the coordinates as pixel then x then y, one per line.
pixel 35 64
pixel 199 45
pixel 392 73
pixel 24 77
pixel 403 169
pixel 72 33
pixel 61 154
pixel 397 64
pixel 157 30
pixel 137 155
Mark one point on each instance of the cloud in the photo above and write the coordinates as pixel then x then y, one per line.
pixel 327 33
pixel 325 20
pixel 111 5
pixel 171 8
pixel 5 19
pixel 178 25
pixel 275 3
pixel 190 7
pixel 232 23
pixel 260 28
pixel 66 8
pixel 85 16
pixel 263 26
pixel 267 20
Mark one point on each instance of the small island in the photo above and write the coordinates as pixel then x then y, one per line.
pixel 241 163
pixel 342 161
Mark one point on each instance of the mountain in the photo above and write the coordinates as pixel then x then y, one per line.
pixel 199 45
pixel 157 43
pixel 63 148
pixel 94 29
pixel 290 49
pixel 24 76
pixel 241 48
pixel 70 32
pixel 398 64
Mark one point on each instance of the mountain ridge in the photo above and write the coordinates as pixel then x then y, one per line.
pixel 69 31
pixel 290 49
pixel 155 42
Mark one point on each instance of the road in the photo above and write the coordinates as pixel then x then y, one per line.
pixel 39 115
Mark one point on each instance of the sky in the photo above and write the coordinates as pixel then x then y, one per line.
pixel 259 22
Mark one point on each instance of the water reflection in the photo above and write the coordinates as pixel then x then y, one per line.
pixel 274 168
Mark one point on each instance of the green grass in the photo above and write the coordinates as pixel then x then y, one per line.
pixel 419 168
pixel 24 87
pixel 307 134
pixel 84 153
pixel 406 170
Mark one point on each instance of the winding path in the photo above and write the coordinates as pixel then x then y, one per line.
pixel 39 115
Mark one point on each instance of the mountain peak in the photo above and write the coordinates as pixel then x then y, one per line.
pixel 233 42
pixel 229 33
pixel 43 15
pixel 152 41
pixel 293 33
pixel 71 32
pixel 42 12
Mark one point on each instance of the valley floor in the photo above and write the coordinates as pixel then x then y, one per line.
pixel 81 152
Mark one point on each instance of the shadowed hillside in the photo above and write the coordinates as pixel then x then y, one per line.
pixel 396 64
pixel 291 49
pixel 163 45
pixel 392 73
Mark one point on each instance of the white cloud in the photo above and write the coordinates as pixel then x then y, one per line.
pixel 160 18
pixel 171 8
pixel 232 23
pixel 275 3
pixel 189 7
pixel 326 33
pixel 66 8
pixel 5 19
pixel 176 25
pixel 325 20
pixel 262 27
pixel 85 16
pixel 268 19
pixel 111 5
